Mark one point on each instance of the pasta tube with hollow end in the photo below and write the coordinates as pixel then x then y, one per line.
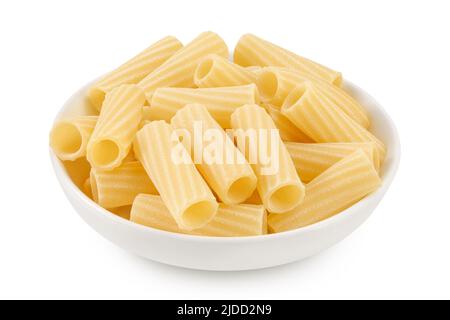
pixel 281 189
pixel 322 120
pixel 135 69
pixel 230 220
pixel 78 171
pixel 216 71
pixel 182 188
pixel 116 126
pixel 69 137
pixel 288 131
pixel 274 85
pixel 311 159
pixel 119 187
pixel 233 181
pixel 336 189
pixel 178 70
pixel 220 102
pixel 252 50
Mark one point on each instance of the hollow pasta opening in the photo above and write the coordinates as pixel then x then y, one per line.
pixel 285 198
pixel 196 215
pixel 66 139
pixel 241 189
pixel 267 85
pixel 104 153
pixel 204 68
pixel 294 97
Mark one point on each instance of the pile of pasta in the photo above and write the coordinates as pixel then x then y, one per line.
pixel 120 157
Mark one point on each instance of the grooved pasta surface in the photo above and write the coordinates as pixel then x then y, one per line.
pixel 336 189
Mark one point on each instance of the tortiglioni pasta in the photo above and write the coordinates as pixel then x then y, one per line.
pixel 340 186
pixel 118 187
pixel 252 50
pixel 178 70
pixel 182 188
pixel 230 220
pixel 116 127
pixel 135 69
pixel 220 102
pixel 232 182
pixel 322 120
pixel 282 189
pixel 69 137
pixel 217 71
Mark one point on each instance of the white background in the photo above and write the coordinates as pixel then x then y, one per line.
pixel 398 51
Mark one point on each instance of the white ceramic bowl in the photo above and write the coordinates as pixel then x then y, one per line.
pixel 241 253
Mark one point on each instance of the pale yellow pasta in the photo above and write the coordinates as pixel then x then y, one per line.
pixel 135 69
pixel 217 71
pixel 78 171
pixel 191 142
pixel 322 120
pixel 130 157
pixel 220 102
pixel 148 115
pixel 288 131
pixel 254 69
pixel 118 187
pixel 311 159
pixel 252 50
pixel 233 181
pixel 182 188
pixel 254 199
pixel 69 137
pixel 280 190
pixel 116 127
pixel 123 212
pixel 336 189
pixel 87 188
pixel 178 70
pixel 276 83
pixel 230 220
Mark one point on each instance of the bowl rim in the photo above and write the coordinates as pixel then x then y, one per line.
pixel 394 153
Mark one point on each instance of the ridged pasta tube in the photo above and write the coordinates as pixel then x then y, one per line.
pixel 322 120
pixel 333 191
pixel 119 187
pixel 135 69
pixel 280 187
pixel 288 131
pixel 274 85
pixel 252 50
pixel 230 220
pixel 216 71
pixel 311 159
pixel 178 70
pixel 182 188
pixel 220 102
pixel 116 126
pixel 69 137
pixel 227 172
